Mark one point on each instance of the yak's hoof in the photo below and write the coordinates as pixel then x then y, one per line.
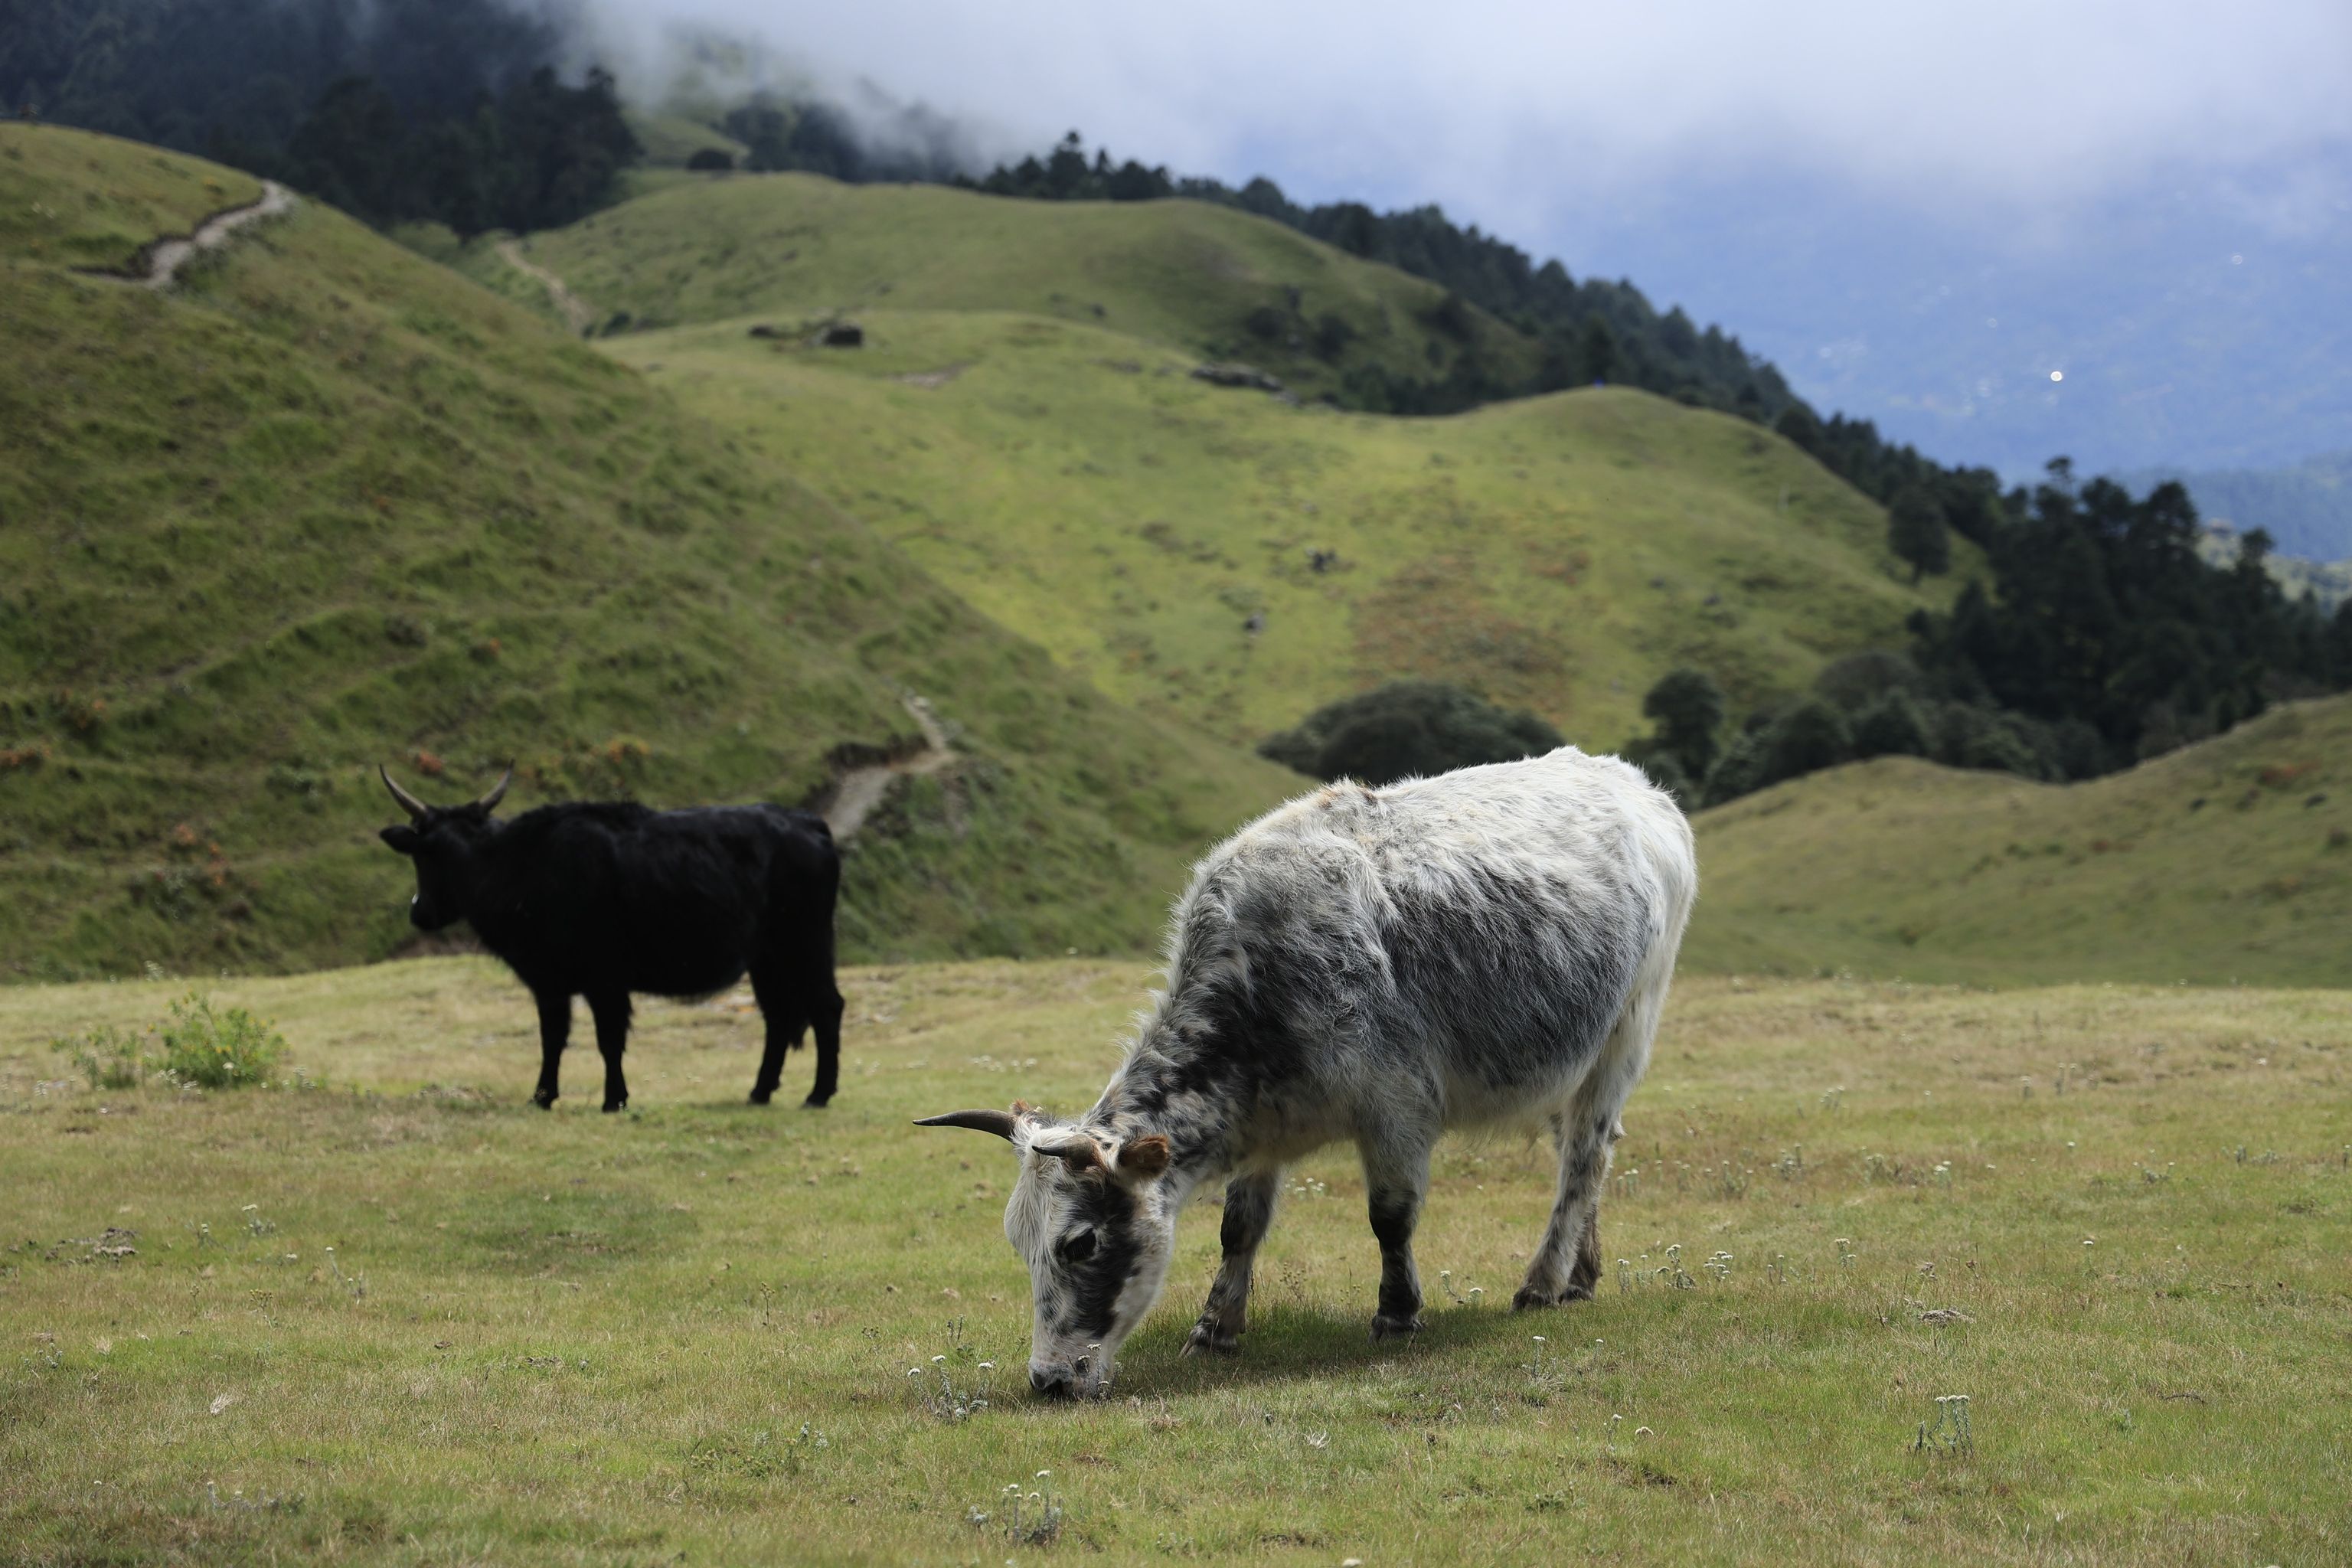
pixel 1529 1297
pixel 1205 1337
pixel 544 1100
pixel 611 1106
pixel 761 1096
pixel 815 1102
pixel 1385 1327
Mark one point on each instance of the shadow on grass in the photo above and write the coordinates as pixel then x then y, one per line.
pixel 1287 1342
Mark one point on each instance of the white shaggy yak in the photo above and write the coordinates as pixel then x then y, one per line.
pixel 1486 947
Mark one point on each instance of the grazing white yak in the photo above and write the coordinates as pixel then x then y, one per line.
pixel 1486 947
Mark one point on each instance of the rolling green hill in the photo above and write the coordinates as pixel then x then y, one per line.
pixel 669 140
pixel 1020 420
pixel 1178 273
pixel 325 505
pixel 1560 553
pixel 2225 862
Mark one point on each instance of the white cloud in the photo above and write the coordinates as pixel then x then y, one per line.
pixel 1474 103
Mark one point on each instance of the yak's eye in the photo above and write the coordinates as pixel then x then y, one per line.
pixel 1077 1249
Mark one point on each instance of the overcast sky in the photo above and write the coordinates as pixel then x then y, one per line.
pixel 1512 111
pixel 1909 204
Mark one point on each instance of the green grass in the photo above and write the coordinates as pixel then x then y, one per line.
pixel 598 1340
pixel 2225 862
pixel 93 202
pixel 328 505
pixel 1559 553
pixel 1178 273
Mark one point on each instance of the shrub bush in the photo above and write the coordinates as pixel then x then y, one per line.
pixel 1891 727
pixel 223 1049
pixel 1408 728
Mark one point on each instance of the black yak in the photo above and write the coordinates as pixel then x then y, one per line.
pixel 604 899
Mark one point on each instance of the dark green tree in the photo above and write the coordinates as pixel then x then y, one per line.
pixel 1917 533
pixel 1892 726
pixel 1687 706
pixel 1809 737
pixel 1597 350
pixel 1408 728
pixel 1803 431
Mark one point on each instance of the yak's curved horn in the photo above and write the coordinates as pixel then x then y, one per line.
pixel 498 792
pixel 999 1122
pixel 408 802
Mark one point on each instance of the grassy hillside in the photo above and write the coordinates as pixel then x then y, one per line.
pixel 78 201
pixel 2225 862
pixel 327 505
pixel 570 1338
pixel 1560 553
pixel 1177 273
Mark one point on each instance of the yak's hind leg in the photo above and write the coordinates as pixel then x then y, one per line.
pixel 1567 1263
pixel 1396 1179
pixel 825 1008
pixel 611 1010
pixel 795 993
pixel 1249 1210
pixel 784 1009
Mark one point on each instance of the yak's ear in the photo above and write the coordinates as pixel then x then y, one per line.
pixel 401 837
pixel 1142 1159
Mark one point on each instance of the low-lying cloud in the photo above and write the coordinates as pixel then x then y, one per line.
pixel 1481 102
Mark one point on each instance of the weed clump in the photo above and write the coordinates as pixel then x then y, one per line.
pixel 195 1047
pixel 217 1050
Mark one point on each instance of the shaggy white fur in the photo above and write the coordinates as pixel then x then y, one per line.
pixel 1491 945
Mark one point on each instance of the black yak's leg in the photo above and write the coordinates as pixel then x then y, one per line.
pixel 782 1009
pixel 825 1008
pixel 554 1034
pixel 611 1012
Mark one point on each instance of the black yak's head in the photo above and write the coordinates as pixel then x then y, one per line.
pixel 442 840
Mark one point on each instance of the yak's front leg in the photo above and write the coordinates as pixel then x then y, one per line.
pixel 1396 1179
pixel 1249 1210
pixel 554 1034
pixel 611 1010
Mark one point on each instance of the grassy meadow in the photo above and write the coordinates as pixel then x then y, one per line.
pixel 1559 553
pixel 326 505
pixel 1174 272
pixel 2115 1218
pixel 1020 422
pixel 2223 862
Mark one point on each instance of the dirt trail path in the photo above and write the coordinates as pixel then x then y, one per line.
pixel 166 257
pixel 857 791
pixel 577 313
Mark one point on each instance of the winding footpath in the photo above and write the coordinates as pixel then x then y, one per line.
pixel 856 791
pixel 164 258
pixel 577 313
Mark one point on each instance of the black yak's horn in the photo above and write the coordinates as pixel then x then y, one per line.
pixel 997 1121
pixel 498 790
pixel 408 802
